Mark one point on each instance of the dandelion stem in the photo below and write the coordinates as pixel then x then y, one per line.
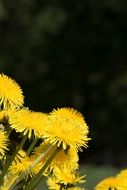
pixel 40 157
pixel 31 147
pixel 34 182
pixel 10 178
pixel 25 173
pixel 19 186
pixel 10 160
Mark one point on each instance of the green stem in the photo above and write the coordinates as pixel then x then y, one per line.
pixel 34 182
pixel 25 173
pixel 19 186
pixel 31 147
pixel 10 160
pixel 40 157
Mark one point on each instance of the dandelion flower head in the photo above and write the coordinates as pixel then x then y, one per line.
pixel 69 158
pixel 111 183
pixel 23 163
pixel 28 122
pixel 54 184
pixel 11 94
pixel 67 176
pixel 67 128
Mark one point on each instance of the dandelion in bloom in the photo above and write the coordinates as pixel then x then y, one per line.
pixel 23 163
pixel 67 128
pixel 52 183
pixel 111 183
pixel 69 158
pixel 67 177
pixel 11 94
pixel 28 122
pixel 3 143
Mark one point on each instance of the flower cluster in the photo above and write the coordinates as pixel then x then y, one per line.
pixel 34 145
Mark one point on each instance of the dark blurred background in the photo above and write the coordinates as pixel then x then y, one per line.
pixel 72 53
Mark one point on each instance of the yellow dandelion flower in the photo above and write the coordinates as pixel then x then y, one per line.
pixel 23 163
pixel 52 183
pixel 9 112
pixel 67 177
pixel 11 94
pixel 28 122
pixel 111 183
pixel 68 128
pixel 69 113
pixel 69 158
pixel 3 143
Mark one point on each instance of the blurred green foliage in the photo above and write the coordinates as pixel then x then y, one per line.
pixel 72 53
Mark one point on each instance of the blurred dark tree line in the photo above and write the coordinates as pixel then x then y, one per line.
pixel 72 53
